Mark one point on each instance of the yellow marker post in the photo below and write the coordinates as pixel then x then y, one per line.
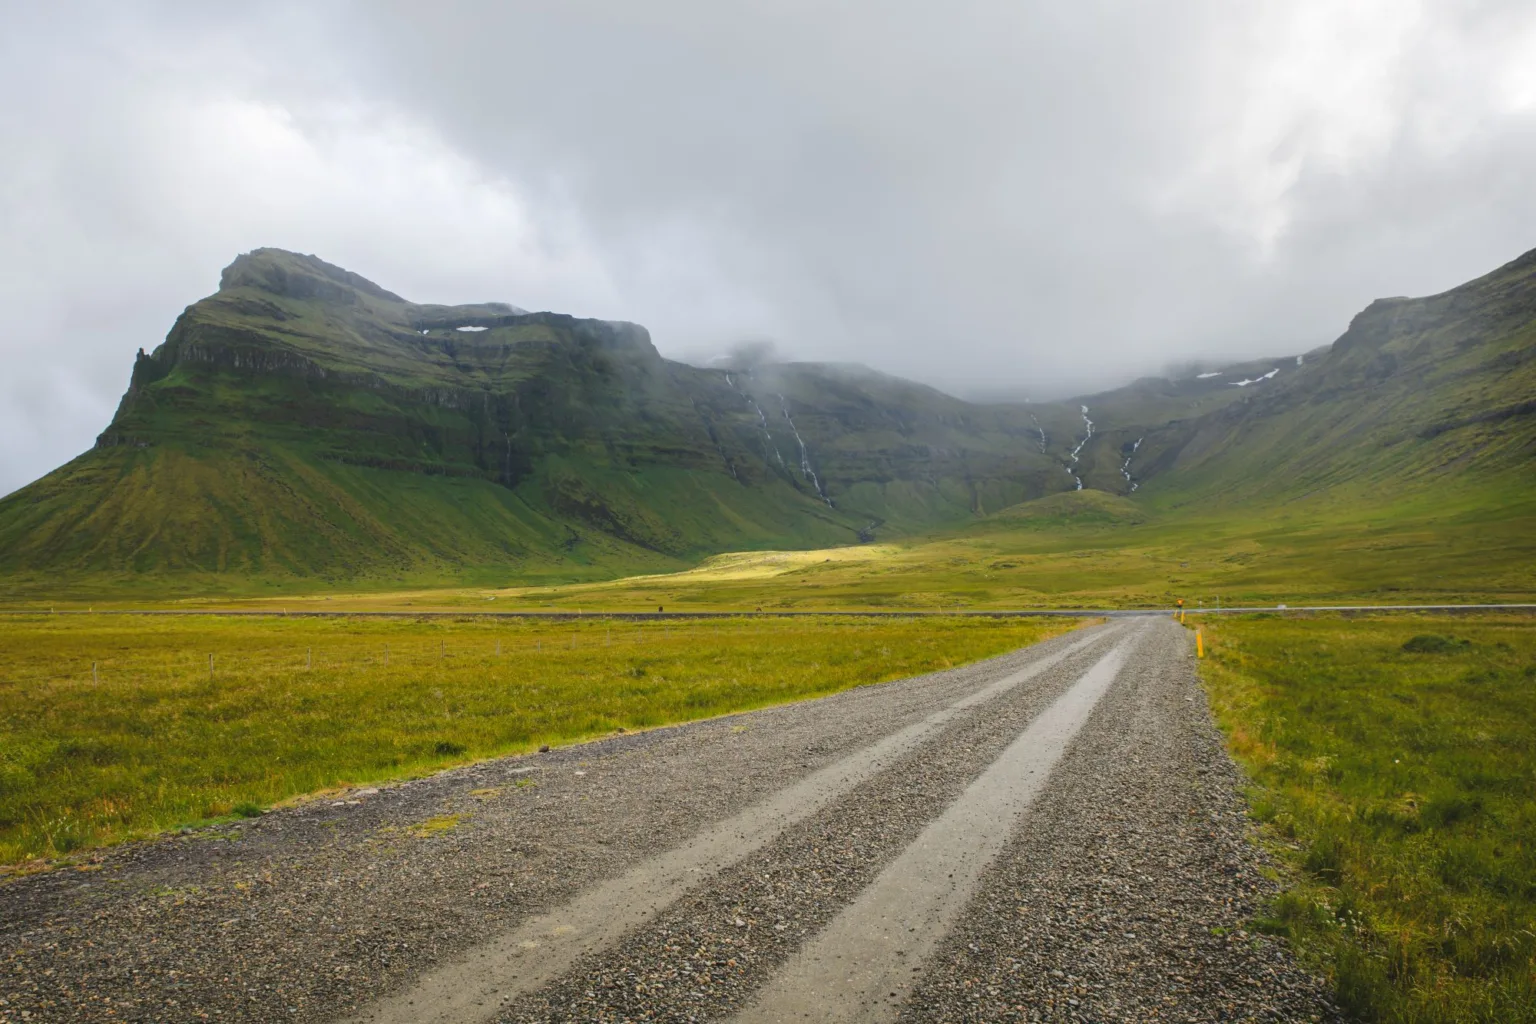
pixel 1199 644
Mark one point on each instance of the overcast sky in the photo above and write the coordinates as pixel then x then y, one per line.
pixel 986 196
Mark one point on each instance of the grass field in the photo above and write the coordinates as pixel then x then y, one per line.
pixel 1075 550
pixel 116 726
pixel 1082 549
pixel 1396 778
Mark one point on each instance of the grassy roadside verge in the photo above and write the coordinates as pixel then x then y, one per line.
pixel 114 726
pixel 1396 780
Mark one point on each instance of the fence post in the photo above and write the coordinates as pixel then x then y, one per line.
pixel 210 668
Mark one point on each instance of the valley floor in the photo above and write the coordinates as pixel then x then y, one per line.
pixel 1084 549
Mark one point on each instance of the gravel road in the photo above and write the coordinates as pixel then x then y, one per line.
pixel 684 874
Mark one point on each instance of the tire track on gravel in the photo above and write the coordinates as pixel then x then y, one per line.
pixel 855 967
pixel 704 956
pixel 544 947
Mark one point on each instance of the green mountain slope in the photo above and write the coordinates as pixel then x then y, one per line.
pixel 303 422
pixel 1430 396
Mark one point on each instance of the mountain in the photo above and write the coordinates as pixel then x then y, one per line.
pixel 304 422
pixel 1428 395
pixel 304 425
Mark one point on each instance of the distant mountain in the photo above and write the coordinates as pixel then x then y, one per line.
pixel 304 423
pixel 1436 392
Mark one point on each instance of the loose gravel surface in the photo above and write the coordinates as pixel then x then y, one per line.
pixel 1126 894
pixel 1122 896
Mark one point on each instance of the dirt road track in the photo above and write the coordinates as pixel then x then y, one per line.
pixel 1075 790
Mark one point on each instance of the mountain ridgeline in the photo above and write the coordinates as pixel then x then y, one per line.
pixel 303 422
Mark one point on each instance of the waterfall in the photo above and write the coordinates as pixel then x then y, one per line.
pixel 805 456
pixel 1125 467
pixel 1072 466
pixel 762 421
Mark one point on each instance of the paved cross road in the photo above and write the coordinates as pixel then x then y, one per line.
pixel 1049 835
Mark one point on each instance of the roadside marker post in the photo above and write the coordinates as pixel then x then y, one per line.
pixel 1199 643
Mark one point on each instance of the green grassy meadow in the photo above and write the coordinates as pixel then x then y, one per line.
pixel 1083 549
pixel 1393 762
pixel 112 726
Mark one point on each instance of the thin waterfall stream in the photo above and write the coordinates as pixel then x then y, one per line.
pixel 1125 467
pixel 805 456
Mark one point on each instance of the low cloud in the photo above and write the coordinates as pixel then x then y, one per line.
pixel 994 198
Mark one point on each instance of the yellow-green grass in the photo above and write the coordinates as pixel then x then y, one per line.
pixel 113 726
pixel 1396 779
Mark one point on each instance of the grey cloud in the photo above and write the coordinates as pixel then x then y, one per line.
pixel 987 196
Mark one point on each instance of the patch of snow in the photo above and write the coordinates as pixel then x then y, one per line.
pixel 471 329
pixel 1299 359
pixel 1203 376
pixel 1254 380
